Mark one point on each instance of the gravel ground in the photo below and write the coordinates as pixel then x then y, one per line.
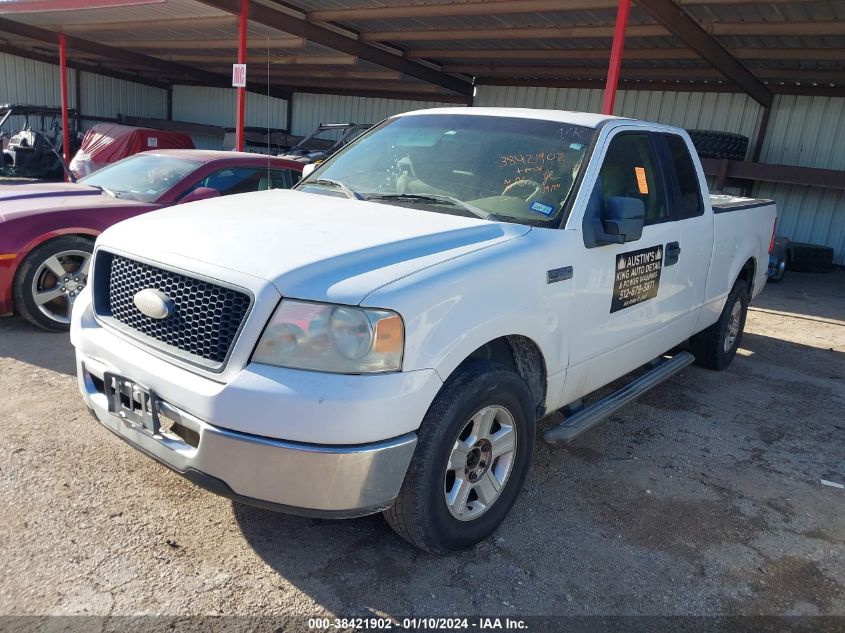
pixel 704 497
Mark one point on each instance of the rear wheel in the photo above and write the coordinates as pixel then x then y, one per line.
pixel 472 456
pixel 716 346
pixel 50 279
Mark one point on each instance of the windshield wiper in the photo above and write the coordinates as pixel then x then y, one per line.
pixel 113 194
pixel 328 182
pixel 433 197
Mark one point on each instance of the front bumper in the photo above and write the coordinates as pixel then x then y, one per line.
pixel 305 479
pixel 302 442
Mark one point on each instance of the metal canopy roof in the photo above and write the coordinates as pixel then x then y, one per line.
pixel 435 49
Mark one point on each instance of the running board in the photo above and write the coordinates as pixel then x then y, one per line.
pixel 588 417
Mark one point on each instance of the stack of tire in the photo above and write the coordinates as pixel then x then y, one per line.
pixel 716 144
pixel 809 258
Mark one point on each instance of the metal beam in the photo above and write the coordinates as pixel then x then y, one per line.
pixel 658 85
pixel 392 94
pixel 174 71
pixel 183 44
pixel 487 7
pixel 496 7
pixel 766 172
pixel 240 103
pixel 615 63
pixel 693 35
pixel 798 75
pixel 522 33
pixel 259 58
pixel 49 58
pixel 791 54
pixel 785 28
pixel 213 22
pixel 300 27
pixel 65 116
pixel 577 54
pixel 545 54
pixel 581 72
pixel 295 83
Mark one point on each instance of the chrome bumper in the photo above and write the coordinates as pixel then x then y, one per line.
pixel 304 479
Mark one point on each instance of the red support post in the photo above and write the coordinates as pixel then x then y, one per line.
pixel 616 56
pixel 242 26
pixel 65 118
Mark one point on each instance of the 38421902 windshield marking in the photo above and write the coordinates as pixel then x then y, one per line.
pixel 637 277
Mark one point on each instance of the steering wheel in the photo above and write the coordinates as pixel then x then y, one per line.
pixel 522 184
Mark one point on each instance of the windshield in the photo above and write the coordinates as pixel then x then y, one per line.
pixel 142 177
pixel 511 169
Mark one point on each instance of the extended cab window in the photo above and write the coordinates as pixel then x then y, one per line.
pixel 631 170
pixel 689 203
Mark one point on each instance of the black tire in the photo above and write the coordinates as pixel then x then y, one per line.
pixel 708 346
pixel 24 298
pixel 780 272
pixel 420 514
pixel 810 258
pixel 716 144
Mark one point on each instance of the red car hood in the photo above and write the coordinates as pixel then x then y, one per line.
pixel 17 201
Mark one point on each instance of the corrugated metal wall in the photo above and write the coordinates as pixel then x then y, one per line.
pixel 809 132
pixel 216 106
pixel 108 97
pixel 309 110
pixel 729 112
pixel 27 82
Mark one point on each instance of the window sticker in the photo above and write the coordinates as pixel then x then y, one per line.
pixel 642 183
pixel 637 277
pixel 541 207
pixel 576 146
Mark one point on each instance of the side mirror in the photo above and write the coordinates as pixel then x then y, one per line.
pixel 200 193
pixel 308 170
pixel 623 220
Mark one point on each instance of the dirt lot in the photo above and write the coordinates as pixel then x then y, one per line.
pixel 704 497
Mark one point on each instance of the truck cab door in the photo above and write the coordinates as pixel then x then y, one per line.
pixel 694 220
pixel 626 294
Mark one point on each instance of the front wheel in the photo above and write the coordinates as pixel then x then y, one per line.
pixel 472 457
pixel 49 280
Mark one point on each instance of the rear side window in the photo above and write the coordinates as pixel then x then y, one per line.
pixel 631 170
pixel 689 203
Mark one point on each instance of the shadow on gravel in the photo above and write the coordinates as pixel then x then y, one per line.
pixel 28 344
pixel 813 295
pixel 354 566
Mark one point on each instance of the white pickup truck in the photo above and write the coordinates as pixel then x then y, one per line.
pixel 386 337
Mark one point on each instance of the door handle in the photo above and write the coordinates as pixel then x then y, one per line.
pixel 672 254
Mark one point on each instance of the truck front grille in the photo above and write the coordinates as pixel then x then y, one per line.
pixel 204 322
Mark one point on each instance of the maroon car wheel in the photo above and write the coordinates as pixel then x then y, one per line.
pixel 50 279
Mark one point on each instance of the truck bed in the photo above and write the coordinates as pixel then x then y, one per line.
pixel 722 203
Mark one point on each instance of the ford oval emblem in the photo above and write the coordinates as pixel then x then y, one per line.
pixel 153 303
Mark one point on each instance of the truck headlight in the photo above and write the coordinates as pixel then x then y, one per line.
pixel 331 338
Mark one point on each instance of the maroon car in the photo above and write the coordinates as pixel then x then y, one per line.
pixel 47 231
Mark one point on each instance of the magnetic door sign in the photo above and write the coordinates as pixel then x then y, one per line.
pixel 637 277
